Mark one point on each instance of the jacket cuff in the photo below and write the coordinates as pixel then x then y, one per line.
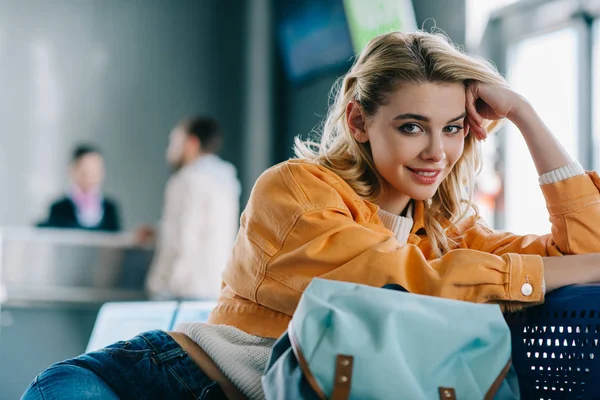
pixel 526 282
pixel 572 194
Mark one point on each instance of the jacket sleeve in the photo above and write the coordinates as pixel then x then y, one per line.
pixel 574 208
pixel 328 243
pixel 60 215
pixel 53 217
pixel 113 222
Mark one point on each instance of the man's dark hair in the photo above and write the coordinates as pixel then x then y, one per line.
pixel 206 130
pixel 83 150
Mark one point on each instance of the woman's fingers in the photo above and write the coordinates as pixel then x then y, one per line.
pixel 479 132
pixel 475 119
pixel 471 108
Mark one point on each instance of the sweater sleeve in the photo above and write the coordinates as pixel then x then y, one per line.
pixel 562 173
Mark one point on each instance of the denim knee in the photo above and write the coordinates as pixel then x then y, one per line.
pixel 70 382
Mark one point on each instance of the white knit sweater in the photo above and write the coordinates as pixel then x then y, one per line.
pixel 243 357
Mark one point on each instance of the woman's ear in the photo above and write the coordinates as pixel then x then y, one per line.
pixel 356 122
pixel 467 128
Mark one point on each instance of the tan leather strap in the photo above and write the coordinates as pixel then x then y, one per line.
pixel 303 364
pixel 343 377
pixel 491 393
pixel 450 393
pixel 343 371
pixel 447 393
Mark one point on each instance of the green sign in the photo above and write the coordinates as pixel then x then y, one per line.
pixel 369 18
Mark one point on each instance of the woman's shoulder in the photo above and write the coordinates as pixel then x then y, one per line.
pixel 305 182
pixel 301 168
pixel 110 203
pixel 62 204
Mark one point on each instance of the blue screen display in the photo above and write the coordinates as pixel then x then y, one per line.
pixel 313 37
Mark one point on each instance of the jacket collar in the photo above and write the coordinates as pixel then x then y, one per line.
pixel 418 216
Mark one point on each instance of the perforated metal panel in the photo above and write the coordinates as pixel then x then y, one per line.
pixel 555 346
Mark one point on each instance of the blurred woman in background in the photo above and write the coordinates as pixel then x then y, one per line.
pixel 85 206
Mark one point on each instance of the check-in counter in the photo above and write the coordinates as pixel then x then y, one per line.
pixel 50 267
pixel 52 284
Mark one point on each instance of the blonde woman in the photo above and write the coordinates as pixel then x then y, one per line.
pixel 383 197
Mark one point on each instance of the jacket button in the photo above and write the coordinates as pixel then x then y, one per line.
pixel 526 289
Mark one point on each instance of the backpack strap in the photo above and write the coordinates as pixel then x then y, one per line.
pixel 343 377
pixel 303 364
pixel 491 393
pixel 343 371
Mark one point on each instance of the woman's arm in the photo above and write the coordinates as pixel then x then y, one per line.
pixel 571 270
pixel 547 153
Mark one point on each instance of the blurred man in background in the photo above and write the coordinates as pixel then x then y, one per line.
pixel 85 206
pixel 200 215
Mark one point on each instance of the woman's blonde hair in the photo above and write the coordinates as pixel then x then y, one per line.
pixel 386 61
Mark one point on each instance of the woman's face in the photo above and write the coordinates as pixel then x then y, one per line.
pixel 416 138
pixel 88 172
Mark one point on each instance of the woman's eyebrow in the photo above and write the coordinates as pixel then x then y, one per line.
pixel 423 118
pixel 418 117
pixel 461 116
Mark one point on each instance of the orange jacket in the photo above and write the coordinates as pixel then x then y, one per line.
pixel 303 221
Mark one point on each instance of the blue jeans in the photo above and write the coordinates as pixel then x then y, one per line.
pixel 150 366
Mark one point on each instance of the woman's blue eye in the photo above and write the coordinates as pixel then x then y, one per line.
pixel 410 128
pixel 453 129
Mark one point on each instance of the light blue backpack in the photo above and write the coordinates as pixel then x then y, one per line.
pixel 351 341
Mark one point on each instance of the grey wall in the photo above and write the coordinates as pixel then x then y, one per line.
pixel 447 15
pixel 119 73
pixel 304 106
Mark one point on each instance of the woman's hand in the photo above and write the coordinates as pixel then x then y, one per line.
pixel 145 235
pixel 491 102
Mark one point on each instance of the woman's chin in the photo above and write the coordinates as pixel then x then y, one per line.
pixel 422 195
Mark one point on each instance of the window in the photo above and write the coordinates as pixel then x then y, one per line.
pixel 478 13
pixel 532 71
